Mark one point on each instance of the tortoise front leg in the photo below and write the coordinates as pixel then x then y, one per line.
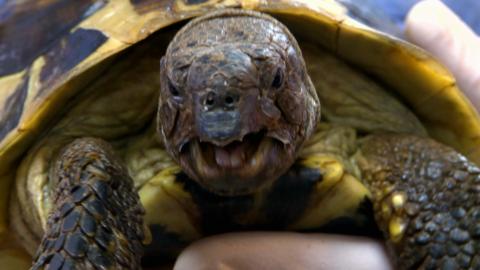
pixel 426 199
pixel 97 218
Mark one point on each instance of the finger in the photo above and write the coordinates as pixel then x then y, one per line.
pixel 284 251
pixel 431 25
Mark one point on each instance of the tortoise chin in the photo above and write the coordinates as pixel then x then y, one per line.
pixel 241 167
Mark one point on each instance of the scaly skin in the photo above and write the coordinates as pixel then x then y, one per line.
pixel 426 199
pixel 97 221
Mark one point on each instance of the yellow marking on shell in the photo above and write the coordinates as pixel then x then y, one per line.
pixel 35 84
pixel 119 20
pixel 43 106
pixel 33 88
pixel 180 5
pixel 396 228
pixel 330 8
pixel 250 4
pixel 398 200
pixel 8 85
pixel 168 204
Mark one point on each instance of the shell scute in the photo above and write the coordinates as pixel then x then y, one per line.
pixel 23 30
pixel 69 52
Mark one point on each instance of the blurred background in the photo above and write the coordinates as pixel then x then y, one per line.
pixel 388 15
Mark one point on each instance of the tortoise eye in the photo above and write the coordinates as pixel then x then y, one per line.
pixel 173 89
pixel 278 79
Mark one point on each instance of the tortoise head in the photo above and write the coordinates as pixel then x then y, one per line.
pixel 236 102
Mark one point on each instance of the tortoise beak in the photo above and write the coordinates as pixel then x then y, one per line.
pixel 218 126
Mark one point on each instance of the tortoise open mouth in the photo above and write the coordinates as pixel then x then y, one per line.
pixel 236 168
pixel 233 155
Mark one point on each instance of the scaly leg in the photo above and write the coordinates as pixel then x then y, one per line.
pixel 97 219
pixel 426 199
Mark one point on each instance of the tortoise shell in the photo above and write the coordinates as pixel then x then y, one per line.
pixel 52 50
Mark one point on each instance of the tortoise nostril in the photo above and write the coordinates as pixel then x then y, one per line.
pixel 229 100
pixel 225 100
pixel 210 100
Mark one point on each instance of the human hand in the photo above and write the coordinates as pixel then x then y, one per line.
pixel 430 25
pixel 284 251
pixel 434 27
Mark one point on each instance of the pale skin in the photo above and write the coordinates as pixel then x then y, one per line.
pixel 430 25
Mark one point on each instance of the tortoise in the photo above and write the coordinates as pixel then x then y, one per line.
pixel 129 133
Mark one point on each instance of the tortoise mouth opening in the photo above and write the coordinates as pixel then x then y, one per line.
pixel 233 155
pixel 239 167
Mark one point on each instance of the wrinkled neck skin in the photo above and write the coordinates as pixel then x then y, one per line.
pixel 236 103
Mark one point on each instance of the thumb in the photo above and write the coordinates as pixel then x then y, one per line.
pixel 431 25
